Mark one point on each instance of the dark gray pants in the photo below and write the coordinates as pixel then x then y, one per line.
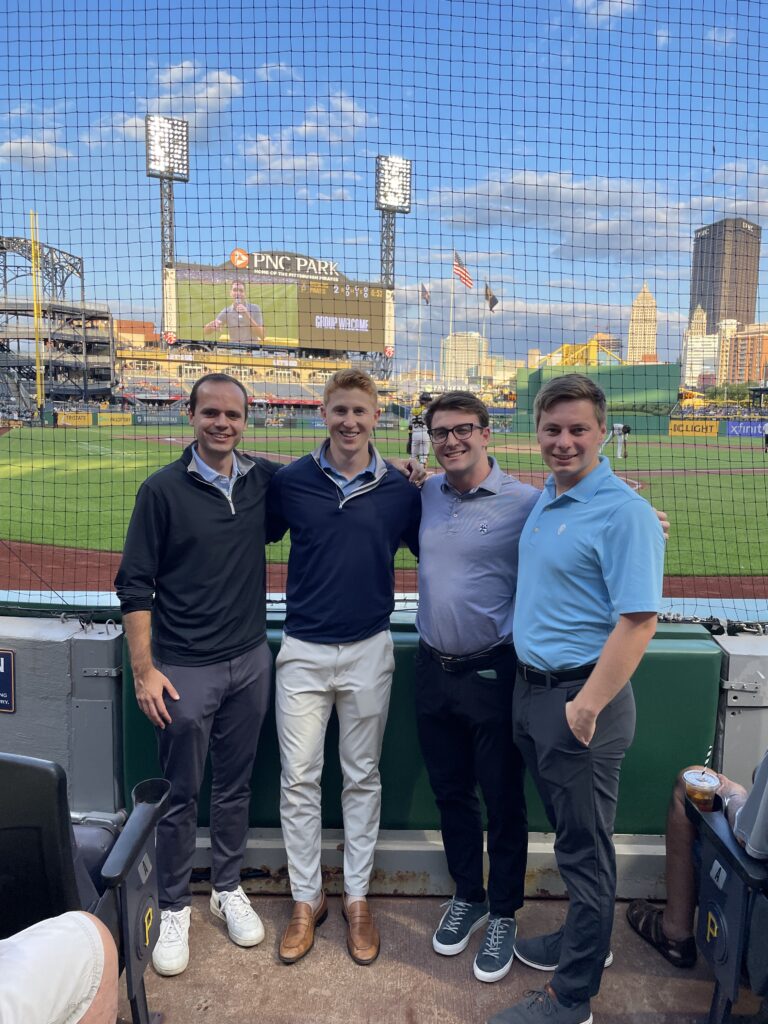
pixel 221 709
pixel 579 786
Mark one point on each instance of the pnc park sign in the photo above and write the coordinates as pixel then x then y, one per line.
pixel 285 264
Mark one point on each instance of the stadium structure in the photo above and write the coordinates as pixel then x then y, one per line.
pixel 75 341
pixel 314 321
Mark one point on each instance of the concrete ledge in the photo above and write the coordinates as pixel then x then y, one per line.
pixel 412 863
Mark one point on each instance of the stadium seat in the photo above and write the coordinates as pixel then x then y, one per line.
pixel 732 930
pixel 48 868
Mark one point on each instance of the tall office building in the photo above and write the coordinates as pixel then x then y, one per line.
pixel 461 356
pixel 641 346
pixel 724 272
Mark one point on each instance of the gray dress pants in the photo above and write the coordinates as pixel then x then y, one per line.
pixel 221 709
pixel 579 787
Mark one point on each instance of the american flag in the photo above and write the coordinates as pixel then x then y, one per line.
pixel 461 271
pixel 426 298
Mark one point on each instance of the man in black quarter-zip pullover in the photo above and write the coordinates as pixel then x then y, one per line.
pixel 192 591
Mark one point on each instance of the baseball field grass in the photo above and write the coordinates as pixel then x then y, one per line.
pixel 76 487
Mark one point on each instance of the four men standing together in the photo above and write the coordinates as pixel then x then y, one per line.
pixel 194 567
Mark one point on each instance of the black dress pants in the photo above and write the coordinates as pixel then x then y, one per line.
pixel 221 709
pixel 579 787
pixel 464 722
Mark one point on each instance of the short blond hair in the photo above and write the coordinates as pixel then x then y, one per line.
pixel 350 380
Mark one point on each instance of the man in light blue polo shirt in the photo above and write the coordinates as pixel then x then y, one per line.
pixel 589 589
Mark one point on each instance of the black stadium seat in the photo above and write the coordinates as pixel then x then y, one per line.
pixel 48 868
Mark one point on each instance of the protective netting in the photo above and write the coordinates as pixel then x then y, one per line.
pixel 587 193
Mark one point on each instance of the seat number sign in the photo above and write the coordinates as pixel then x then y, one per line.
pixel 7 682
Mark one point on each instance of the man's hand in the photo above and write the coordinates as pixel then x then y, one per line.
pixel 150 685
pixel 581 722
pixel 411 469
pixel 664 520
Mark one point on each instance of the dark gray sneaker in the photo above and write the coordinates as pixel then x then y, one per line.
pixel 457 924
pixel 542 952
pixel 541 1008
pixel 495 956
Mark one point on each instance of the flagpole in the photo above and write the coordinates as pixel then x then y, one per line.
pixel 450 322
pixel 418 346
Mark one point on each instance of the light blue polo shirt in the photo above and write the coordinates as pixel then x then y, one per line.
pixel 346 486
pixel 586 557
pixel 224 483
pixel 468 561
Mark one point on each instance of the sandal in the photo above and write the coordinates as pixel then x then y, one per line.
pixel 646 919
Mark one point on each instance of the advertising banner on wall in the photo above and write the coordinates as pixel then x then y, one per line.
pixel 746 428
pixel 693 428
pixel 279 300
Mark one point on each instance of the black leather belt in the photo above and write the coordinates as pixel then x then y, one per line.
pixel 468 662
pixel 539 678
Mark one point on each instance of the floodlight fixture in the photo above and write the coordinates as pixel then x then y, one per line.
pixel 393 184
pixel 167 147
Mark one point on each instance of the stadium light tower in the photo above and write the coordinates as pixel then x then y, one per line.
pixel 167 159
pixel 393 196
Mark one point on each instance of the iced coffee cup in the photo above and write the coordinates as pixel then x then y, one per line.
pixel 701 786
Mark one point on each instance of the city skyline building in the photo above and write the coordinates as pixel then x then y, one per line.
pixel 747 356
pixel 699 358
pixel 643 328
pixel 724 271
pixel 462 354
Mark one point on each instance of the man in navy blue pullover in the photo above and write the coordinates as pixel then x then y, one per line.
pixel 348 513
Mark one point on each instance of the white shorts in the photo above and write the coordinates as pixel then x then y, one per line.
pixel 49 973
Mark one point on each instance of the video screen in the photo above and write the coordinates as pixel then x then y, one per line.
pixel 228 306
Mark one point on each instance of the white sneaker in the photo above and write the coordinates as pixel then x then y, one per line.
pixel 171 954
pixel 243 923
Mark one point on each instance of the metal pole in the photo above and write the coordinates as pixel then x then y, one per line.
pixel 388 249
pixel 167 255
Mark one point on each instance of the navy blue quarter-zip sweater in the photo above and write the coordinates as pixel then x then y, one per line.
pixel 341 575
pixel 195 559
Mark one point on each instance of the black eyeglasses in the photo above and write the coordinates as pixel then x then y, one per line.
pixel 461 431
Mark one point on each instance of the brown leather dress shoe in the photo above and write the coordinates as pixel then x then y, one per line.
pixel 299 937
pixel 362 934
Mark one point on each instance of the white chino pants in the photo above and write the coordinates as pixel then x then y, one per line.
pixel 311 679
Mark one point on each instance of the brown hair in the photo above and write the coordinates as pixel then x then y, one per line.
pixel 215 378
pixel 350 380
pixel 458 401
pixel 571 387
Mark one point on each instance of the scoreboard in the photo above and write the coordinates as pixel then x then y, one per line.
pixel 303 302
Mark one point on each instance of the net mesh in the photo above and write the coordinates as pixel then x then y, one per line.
pixel 586 194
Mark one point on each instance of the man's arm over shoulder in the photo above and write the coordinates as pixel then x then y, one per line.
pixel 410 536
pixel 276 524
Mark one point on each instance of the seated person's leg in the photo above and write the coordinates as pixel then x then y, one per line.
pixel 77 957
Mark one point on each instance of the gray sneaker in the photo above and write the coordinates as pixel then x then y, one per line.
pixel 542 952
pixel 457 924
pixel 541 1008
pixel 495 956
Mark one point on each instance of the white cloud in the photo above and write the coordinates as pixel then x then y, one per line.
pixel 662 38
pixel 33 152
pixel 278 164
pixel 721 36
pixel 336 194
pixel 186 90
pixel 277 72
pixel 602 11
pixel 340 120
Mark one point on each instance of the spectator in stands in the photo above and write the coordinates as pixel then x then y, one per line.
pixel 241 320
pixel 347 513
pixel 670 930
pixel 586 608
pixel 60 971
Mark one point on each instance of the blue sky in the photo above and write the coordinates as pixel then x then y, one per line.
pixel 567 150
